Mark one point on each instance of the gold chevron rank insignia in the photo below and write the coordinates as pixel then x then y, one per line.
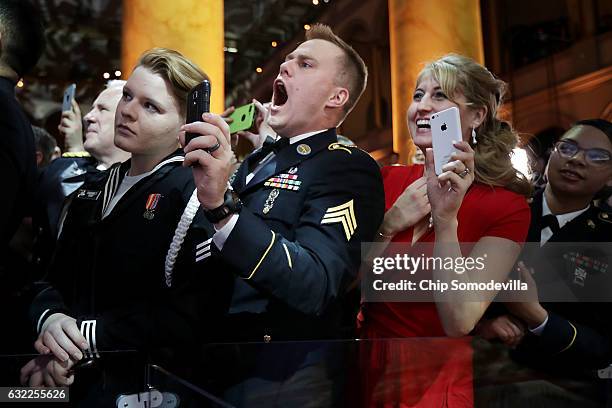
pixel 343 214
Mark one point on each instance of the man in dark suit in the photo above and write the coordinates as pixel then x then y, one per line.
pixel 21 44
pixel 291 228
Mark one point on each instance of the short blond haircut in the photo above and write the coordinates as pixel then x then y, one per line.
pixel 115 83
pixel 352 71
pixel 180 73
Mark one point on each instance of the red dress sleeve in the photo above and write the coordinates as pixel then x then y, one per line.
pixel 493 212
pixel 510 216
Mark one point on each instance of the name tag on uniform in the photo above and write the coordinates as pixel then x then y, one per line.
pixel 88 194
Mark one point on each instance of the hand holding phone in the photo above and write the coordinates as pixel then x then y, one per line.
pixel 198 103
pixel 68 97
pixel 445 128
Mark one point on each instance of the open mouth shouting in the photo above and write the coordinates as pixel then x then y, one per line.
pixel 279 95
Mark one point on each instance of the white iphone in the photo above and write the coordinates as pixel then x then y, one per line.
pixel 445 127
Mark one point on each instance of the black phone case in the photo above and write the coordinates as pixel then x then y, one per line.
pixel 198 102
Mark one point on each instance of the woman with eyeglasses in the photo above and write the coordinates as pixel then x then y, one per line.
pixel 566 338
pixel 578 169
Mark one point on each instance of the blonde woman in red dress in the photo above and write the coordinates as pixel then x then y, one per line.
pixel 479 198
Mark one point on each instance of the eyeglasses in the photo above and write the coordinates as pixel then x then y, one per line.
pixel 595 156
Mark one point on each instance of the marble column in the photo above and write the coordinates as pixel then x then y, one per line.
pixel 419 32
pixel 192 27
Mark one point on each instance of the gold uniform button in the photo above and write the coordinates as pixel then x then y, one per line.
pixel 303 149
pixel 267 338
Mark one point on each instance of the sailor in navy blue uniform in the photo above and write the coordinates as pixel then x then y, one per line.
pixel 124 273
pixel 64 175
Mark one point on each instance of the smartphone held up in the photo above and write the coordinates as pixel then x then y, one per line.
pixel 68 97
pixel 243 118
pixel 445 128
pixel 198 103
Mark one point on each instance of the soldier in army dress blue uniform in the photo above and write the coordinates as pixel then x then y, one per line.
pixel 290 227
pixel 570 336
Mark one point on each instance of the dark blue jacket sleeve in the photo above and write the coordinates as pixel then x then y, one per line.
pixel 576 343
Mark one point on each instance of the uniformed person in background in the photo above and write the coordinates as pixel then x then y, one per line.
pixel 291 227
pixel 64 175
pixel 567 338
pixel 116 282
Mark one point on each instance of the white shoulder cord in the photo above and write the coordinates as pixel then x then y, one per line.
pixel 179 235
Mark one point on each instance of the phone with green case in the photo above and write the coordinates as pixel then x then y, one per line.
pixel 243 118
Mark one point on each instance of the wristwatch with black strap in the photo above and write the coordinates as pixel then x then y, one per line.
pixel 231 205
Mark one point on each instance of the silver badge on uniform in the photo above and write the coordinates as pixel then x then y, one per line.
pixel 270 201
pixel 88 194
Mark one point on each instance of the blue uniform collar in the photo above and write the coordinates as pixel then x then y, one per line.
pixel 289 156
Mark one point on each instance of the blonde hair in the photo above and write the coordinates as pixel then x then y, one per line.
pixel 352 71
pixel 495 138
pixel 180 73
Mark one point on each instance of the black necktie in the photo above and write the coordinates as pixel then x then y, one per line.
pixel 268 142
pixel 550 220
pixel 269 145
pixel 277 145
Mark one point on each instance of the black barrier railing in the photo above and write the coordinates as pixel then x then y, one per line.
pixel 412 372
